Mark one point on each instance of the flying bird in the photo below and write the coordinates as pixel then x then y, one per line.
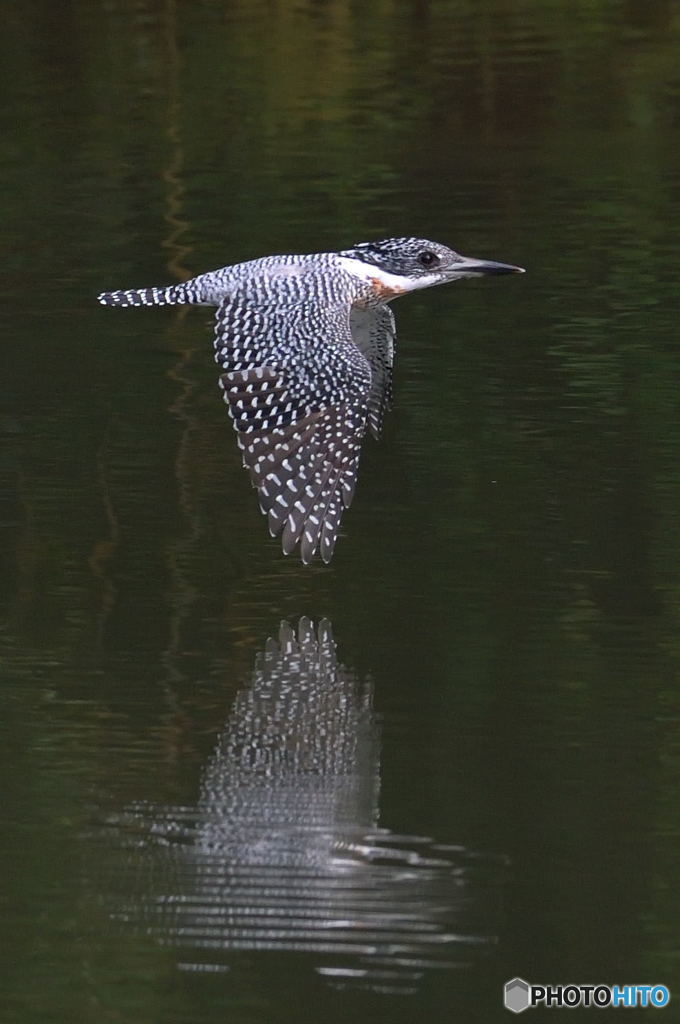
pixel 306 346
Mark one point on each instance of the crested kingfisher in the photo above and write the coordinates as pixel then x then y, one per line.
pixel 306 345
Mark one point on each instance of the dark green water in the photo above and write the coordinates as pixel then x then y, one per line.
pixel 491 784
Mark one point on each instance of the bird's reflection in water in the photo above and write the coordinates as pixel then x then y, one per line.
pixel 283 851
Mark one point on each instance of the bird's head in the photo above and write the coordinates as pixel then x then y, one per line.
pixel 409 263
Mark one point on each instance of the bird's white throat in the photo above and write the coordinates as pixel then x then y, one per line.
pixel 390 282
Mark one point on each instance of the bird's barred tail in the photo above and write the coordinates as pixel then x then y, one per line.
pixel 174 294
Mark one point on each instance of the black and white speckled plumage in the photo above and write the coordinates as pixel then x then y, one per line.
pixel 306 346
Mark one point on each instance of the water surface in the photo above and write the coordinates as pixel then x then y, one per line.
pixel 495 725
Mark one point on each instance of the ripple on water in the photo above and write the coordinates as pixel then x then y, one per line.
pixel 282 851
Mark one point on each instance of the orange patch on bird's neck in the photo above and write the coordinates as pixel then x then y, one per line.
pixel 384 291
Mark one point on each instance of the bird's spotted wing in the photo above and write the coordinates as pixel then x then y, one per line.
pixel 374 332
pixel 298 390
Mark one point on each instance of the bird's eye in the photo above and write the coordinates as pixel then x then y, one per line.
pixel 428 259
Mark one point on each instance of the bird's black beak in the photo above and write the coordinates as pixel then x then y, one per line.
pixel 469 267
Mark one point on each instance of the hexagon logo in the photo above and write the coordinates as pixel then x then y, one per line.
pixel 516 995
